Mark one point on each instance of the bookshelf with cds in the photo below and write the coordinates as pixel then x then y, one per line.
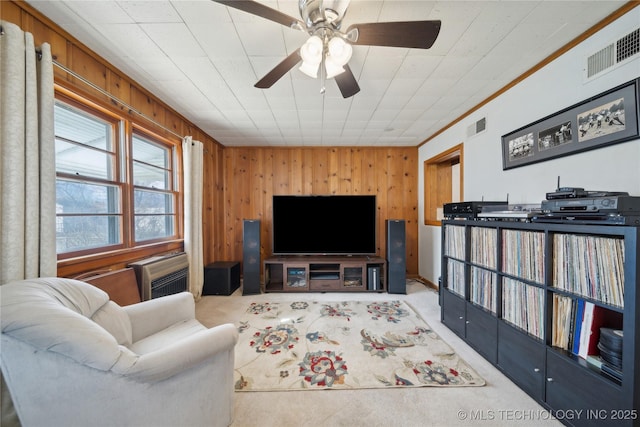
pixel 533 298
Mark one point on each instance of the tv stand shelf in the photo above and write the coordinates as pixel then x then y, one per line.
pixel 325 273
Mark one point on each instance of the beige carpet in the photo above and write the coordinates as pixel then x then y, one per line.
pixel 311 345
pixel 498 403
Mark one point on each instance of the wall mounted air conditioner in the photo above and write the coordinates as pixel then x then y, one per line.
pixel 162 275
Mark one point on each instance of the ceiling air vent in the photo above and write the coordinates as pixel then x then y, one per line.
pixel 615 53
pixel 477 127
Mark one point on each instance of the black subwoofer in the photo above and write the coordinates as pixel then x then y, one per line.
pixel 221 278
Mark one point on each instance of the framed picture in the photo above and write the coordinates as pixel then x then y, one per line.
pixel 605 119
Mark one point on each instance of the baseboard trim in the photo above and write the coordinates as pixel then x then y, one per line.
pixel 428 283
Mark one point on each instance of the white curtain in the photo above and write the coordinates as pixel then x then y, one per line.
pixel 27 166
pixel 192 158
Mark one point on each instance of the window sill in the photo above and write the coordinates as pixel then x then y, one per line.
pixel 114 260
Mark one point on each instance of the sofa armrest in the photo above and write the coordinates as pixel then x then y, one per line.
pixel 149 317
pixel 182 355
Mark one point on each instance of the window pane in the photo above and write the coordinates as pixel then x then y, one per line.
pixel 74 197
pixel 153 154
pixel 83 161
pixel 149 176
pixel 84 143
pixel 75 125
pixel 152 202
pixel 153 227
pixel 75 233
pixel 154 217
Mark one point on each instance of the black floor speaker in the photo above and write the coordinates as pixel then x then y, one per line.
pixel 396 257
pixel 251 256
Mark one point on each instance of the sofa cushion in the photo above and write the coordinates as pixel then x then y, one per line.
pixel 54 314
pixel 116 321
pixel 167 336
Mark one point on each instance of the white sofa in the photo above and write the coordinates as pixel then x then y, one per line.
pixel 71 357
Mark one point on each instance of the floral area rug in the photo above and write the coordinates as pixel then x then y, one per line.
pixel 342 345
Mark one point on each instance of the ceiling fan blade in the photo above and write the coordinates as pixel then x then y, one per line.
pixel 347 83
pixel 279 70
pixel 258 9
pixel 413 34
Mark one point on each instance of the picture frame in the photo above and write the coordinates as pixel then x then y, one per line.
pixel 608 118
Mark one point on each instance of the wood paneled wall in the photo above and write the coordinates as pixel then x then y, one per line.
pixel 253 175
pixel 239 182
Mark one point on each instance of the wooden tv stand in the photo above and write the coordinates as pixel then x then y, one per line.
pixel 325 274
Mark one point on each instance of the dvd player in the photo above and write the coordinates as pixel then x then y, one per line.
pixel 589 219
pixel 617 205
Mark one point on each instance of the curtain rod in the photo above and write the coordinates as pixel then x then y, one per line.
pixel 104 92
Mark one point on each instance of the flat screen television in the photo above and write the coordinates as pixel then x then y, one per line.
pixel 324 225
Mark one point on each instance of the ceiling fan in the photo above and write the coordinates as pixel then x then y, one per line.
pixel 328 49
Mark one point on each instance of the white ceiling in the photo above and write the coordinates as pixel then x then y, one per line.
pixel 203 58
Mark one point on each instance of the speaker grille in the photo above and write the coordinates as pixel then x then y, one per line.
pixel 396 257
pixel 251 257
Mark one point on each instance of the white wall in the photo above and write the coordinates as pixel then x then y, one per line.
pixel 558 85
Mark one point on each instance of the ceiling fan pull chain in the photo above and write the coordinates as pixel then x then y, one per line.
pixel 323 71
pixel 322 80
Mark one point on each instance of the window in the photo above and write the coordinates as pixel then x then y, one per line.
pixel 115 189
pixel 153 196
pixel 88 187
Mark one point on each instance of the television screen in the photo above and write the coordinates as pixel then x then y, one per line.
pixel 327 225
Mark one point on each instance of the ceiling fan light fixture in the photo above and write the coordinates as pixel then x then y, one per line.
pixel 311 53
pixel 332 68
pixel 310 69
pixel 339 50
pixel 338 54
pixel 312 49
